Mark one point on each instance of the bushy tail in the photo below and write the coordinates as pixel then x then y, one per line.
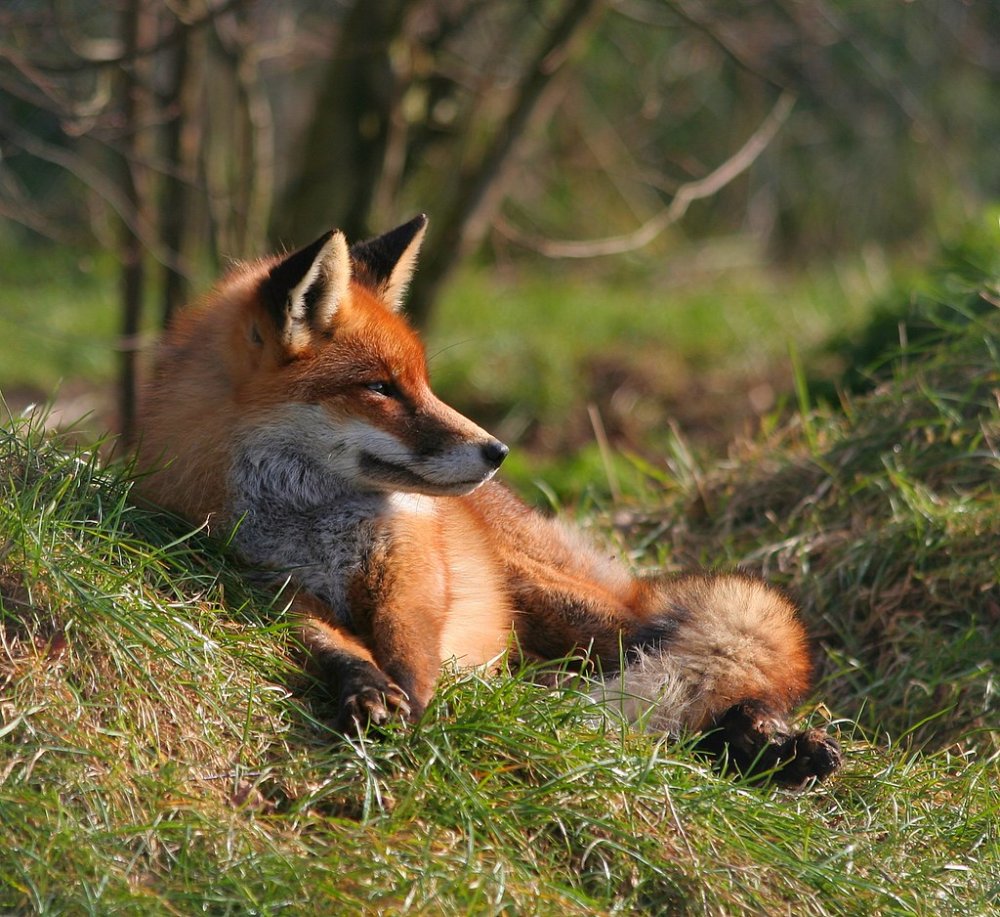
pixel 731 662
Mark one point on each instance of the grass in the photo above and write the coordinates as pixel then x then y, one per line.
pixel 705 349
pixel 159 752
pixel 57 318
pixel 883 515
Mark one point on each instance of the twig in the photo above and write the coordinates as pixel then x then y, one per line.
pixel 683 10
pixel 687 193
pixel 94 179
pixel 82 62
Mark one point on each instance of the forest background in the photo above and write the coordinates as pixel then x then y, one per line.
pixel 670 157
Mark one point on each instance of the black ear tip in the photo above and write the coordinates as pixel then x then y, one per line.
pixel 413 226
pixel 290 270
pixel 379 256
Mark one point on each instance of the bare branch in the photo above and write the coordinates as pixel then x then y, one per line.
pixel 177 34
pixel 686 194
pixel 94 178
pixel 741 59
pixel 29 216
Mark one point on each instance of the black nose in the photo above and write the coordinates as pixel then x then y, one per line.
pixel 494 452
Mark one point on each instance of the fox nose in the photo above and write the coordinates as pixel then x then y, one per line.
pixel 494 452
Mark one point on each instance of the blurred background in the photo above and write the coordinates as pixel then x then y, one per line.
pixel 649 218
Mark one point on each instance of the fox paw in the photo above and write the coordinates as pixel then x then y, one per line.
pixel 373 706
pixel 372 699
pixel 814 754
pixel 755 742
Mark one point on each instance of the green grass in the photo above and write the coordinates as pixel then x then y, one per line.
pixel 159 752
pixel 57 319
pixel 526 352
pixel 883 514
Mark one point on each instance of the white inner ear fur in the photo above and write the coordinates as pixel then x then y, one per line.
pixel 394 290
pixel 333 265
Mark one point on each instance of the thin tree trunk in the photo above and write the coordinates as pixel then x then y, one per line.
pixel 181 143
pixel 138 27
pixel 481 191
pixel 346 144
pixel 258 152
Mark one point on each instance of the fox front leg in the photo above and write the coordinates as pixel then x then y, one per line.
pixel 367 696
pixel 399 606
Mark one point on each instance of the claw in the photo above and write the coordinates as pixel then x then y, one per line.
pixel 816 755
pixel 374 706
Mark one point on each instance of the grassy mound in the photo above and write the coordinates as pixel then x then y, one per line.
pixel 158 753
pixel 883 516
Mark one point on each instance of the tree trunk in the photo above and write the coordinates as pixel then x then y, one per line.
pixel 344 151
pixel 464 224
pixel 138 30
pixel 182 140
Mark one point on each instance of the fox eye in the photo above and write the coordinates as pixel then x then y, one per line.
pixel 385 388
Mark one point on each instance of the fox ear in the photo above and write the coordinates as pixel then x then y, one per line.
pixel 386 263
pixel 304 291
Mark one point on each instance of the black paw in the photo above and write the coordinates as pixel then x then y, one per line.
pixel 753 741
pixel 368 697
pixel 364 705
pixel 815 754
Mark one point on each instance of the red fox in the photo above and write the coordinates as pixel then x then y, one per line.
pixel 292 404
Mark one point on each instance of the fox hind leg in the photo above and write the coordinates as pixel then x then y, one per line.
pixel 753 740
pixel 736 661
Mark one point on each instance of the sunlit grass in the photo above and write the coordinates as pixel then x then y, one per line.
pixel 522 350
pixel 160 753
pixel 529 341
pixel 884 517
pixel 58 319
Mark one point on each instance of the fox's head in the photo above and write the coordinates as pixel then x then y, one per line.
pixel 337 370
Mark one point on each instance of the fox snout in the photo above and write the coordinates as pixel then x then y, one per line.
pixel 450 464
pixel 460 469
pixel 450 453
pixel 494 452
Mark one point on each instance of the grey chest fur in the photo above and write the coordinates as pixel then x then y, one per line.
pixel 298 520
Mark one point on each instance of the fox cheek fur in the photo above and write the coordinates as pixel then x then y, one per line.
pixel 292 404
